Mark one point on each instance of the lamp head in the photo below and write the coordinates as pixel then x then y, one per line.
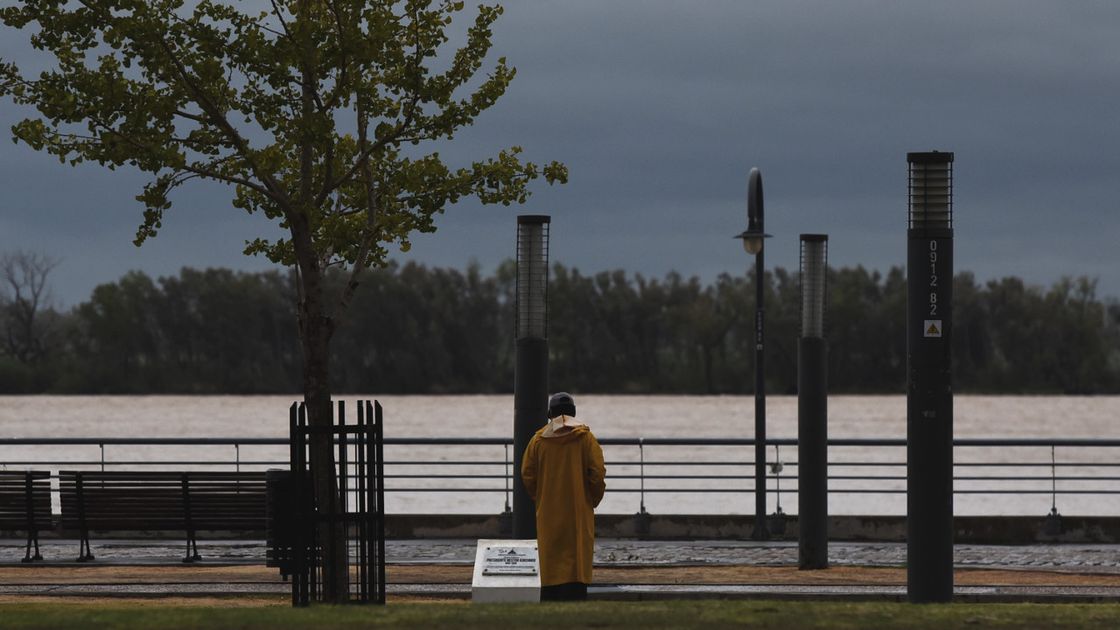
pixel 754 200
pixel 752 241
pixel 754 234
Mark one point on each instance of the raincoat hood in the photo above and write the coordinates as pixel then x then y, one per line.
pixel 562 425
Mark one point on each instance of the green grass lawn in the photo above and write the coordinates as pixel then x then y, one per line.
pixel 662 614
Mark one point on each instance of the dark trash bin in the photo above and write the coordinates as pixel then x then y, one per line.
pixel 282 520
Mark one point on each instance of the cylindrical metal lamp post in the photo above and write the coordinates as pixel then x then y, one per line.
pixel 929 399
pixel 530 384
pixel 752 243
pixel 812 407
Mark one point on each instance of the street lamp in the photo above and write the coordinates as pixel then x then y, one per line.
pixel 530 375
pixel 753 238
pixel 812 407
pixel 929 382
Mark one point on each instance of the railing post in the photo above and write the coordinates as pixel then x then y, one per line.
pixel 642 519
pixel 1052 526
pixel 506 477
pixel 777 468
pixel 102 446
pixel 642 476
pixel 776 522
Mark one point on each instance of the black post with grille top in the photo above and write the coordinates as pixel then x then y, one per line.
pixel 929 399
pixel 812 407
pixel 530 381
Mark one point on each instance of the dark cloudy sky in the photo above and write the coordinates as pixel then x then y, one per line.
pixel 660 108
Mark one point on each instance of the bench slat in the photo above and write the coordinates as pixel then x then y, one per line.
pixel 154 500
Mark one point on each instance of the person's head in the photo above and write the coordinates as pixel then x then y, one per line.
pixel 561 404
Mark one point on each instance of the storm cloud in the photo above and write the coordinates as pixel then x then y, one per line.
pixel 660 108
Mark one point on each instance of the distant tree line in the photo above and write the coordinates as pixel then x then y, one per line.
pixel 414 329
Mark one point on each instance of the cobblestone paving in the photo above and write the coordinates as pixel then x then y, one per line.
pixel 1097 558
pixel 1093 558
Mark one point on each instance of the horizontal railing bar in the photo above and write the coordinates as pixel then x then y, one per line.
pixel 714 477
pixel 447 463
pixel 1012 491
pixel 388 476
pixel 1039 464
pixel 112 462
pixel 1038 478
pixel 147 462
pixel 1035 464
pixel 831 477
pixel 389 490
pixel 499 441
pixel 681 463
pixel 624 476
pixel 769 477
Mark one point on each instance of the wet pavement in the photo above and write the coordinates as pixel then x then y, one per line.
pixel 1065 558
pixel 611 552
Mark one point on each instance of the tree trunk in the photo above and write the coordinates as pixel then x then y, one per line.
pixel 315 334
pixel 706 355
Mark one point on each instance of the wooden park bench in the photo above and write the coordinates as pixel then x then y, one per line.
pixel 25 505
pixel 161 501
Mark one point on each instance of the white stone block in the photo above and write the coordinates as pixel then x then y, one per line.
pixel 506 571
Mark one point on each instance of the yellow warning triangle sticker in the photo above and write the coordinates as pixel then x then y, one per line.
pixel 932 328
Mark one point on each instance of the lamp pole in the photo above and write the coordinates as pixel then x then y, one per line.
pixel 530 377
pixel 812 407
pixel 929 383
pixel 752 242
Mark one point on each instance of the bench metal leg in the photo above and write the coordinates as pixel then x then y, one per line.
pixel 189 523
pixel 84 552
pixel 32 539
pixel 192 557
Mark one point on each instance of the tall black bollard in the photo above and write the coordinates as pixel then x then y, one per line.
pixel 812 408
pixel 929 401
pixel 530 381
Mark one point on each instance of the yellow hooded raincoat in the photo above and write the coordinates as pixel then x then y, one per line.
pixel 565 475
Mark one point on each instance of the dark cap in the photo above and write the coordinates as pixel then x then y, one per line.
pixel 561 404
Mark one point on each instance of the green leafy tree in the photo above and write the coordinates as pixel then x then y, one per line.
pixel 316 112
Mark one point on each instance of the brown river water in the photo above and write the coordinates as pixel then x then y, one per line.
pixel 610 416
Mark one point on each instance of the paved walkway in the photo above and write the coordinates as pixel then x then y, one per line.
pixel 1094 558
pixel 631 570
pixel 612 552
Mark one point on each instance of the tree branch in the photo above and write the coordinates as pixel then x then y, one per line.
pixel 410 115
pixel 189 116
pixel 280 16
pixel 203 171
pixel 379 144
pixel 369 233
pixel 271 188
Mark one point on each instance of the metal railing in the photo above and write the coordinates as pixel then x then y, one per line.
pixel 676 474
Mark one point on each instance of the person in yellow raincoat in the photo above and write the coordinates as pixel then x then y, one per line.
pixel 563 472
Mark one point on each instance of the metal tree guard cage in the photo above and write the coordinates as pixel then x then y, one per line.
pixel 360 504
